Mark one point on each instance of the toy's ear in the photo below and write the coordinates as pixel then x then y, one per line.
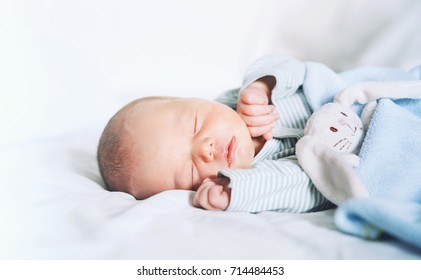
pixel 336 126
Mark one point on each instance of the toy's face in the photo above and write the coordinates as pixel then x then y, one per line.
pixel 338 127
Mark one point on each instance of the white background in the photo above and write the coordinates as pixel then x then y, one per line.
pixel 67 64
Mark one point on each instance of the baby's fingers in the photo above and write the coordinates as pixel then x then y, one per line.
pixel 260 120
pixel 203 195
pixel 200 196
pixel 218 198
pixel 255 110
pixel 253 95
pixel 268 135
pixel 256 131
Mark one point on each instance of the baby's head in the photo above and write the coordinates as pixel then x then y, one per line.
pixel 155 144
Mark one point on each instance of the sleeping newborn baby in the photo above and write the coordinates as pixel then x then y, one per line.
pixel 224 152
pixel 227 156
pixel 228 151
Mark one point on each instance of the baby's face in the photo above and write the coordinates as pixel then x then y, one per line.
pixel 180 142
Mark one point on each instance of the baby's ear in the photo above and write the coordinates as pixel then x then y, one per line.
pixel 367 113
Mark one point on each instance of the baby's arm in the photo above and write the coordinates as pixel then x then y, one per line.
pixel 213 194
pixel 255 109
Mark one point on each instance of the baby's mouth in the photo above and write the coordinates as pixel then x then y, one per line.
pixel 231 148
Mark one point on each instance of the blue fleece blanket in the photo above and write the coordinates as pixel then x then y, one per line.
pixel 391 170
pixel 390 157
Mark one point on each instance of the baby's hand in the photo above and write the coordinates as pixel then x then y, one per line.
pixel 254 108
pixel 213 194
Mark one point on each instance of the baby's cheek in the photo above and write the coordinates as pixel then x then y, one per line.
pixel 208 171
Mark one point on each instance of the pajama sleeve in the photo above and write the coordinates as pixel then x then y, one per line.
pixel 289 74
pixel 277 185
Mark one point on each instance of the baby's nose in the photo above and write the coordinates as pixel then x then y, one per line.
pixel 206 149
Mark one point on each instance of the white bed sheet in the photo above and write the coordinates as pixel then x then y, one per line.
pixel 63 212
pixel 67 67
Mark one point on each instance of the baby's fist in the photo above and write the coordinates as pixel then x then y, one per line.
pixel 213 194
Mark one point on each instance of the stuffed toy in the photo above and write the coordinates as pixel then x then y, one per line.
pixel 334 134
